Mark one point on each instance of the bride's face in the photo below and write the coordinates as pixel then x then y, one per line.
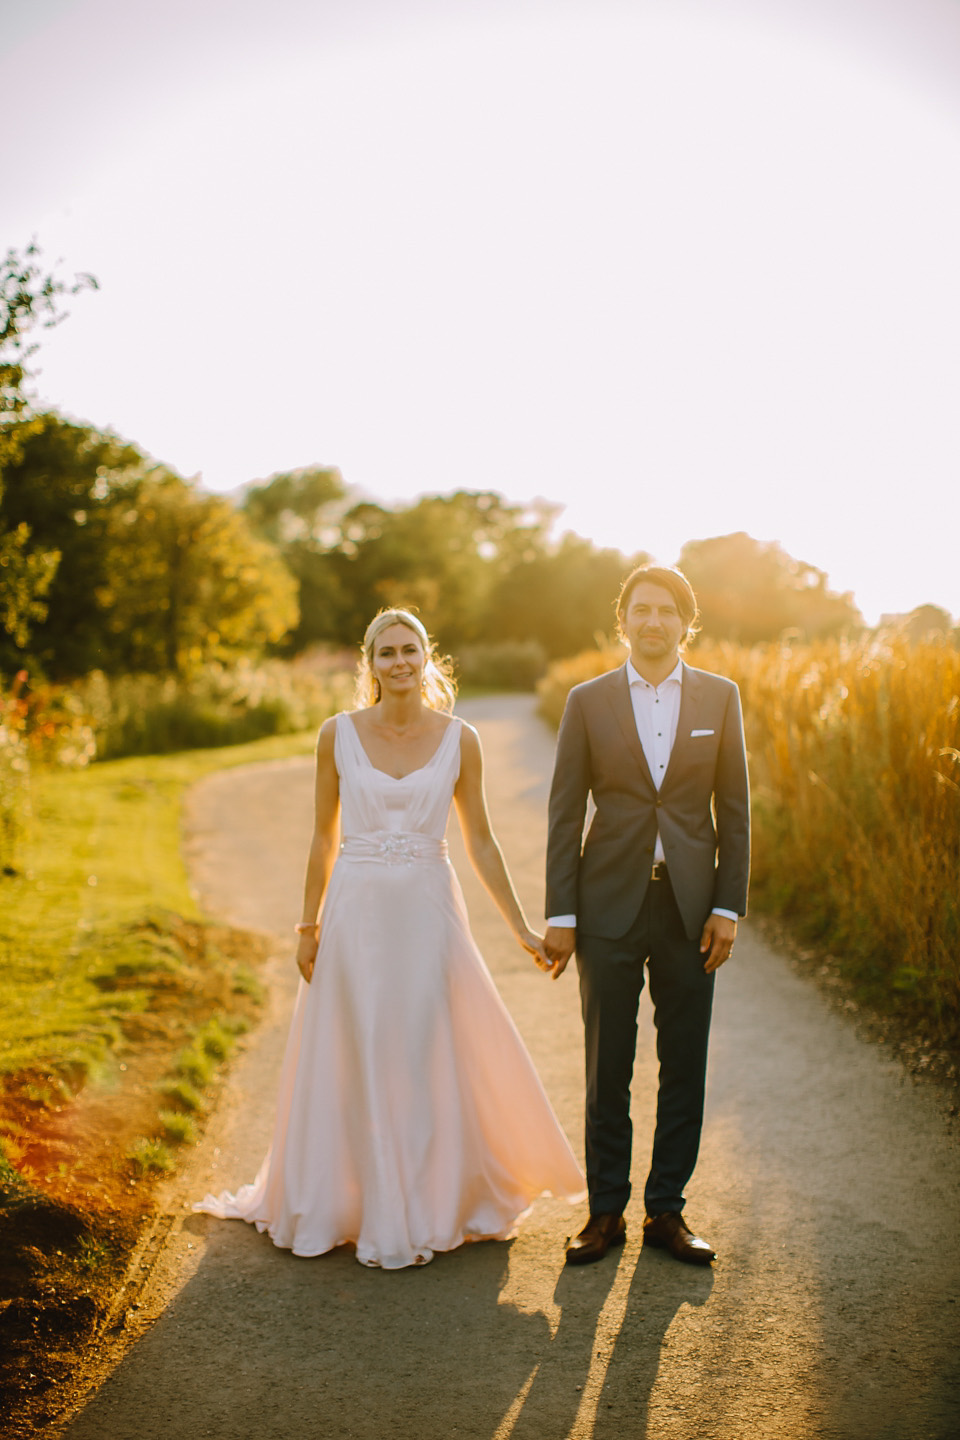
pixel 398 660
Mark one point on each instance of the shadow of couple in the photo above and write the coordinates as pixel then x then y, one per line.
pixel 597 1374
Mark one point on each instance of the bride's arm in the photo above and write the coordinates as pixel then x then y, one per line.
pixel 323 846
pixel 481 844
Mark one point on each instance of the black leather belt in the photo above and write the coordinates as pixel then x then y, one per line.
pixel 659 871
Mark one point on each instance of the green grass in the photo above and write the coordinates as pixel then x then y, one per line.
pixel 150 1155
pixel 88 927
pixel 178 1128
pixel 182 1093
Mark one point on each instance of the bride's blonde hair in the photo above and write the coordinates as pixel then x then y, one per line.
pixel 438 685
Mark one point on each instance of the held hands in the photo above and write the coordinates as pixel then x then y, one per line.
pixel 716 942
pixel 533 944
pixel 559 944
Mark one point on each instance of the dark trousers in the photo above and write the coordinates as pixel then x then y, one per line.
pixel 611 979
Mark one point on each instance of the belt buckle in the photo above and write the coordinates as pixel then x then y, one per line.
pixel 659 871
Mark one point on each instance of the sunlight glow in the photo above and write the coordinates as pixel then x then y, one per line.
pixel 686 270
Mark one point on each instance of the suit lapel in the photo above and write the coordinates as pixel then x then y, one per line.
pixel 622 707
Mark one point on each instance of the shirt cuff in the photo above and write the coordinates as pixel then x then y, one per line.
pixel 730 914
pixel 567 922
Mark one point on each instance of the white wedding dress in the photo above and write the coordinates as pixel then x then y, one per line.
pixel 410 1117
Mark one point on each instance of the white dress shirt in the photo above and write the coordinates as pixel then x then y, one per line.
pixel 656 712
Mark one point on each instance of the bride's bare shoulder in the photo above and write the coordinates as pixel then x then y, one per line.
pixel 328 732
pixel 469 738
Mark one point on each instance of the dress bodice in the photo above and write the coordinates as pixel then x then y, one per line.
pixel 374 803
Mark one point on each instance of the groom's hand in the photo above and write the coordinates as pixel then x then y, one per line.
pixel 716 942
pixel 559 944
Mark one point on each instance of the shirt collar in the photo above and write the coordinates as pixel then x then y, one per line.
pixel 635 678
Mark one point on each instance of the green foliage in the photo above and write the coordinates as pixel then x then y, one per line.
pixel 443 554
pixel 295 507
pixel 62 489
pixel 750 592
pixel 155 715
pixel 553 689
pixel 204 587
pixel 178 1128
pixel 35 725
pixel 564 596
pixel 153 575
pixel 504 665
pixel 215 1041
pixel 26 576
pixel 194 1065
pixel 150 1155
pixel 43 726
pixel 182 1093
pixel 245 982
pixel 855 766
pixel 28 298
pixel 14 778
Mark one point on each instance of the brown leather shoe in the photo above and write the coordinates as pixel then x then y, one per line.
pixel 595 1239
pixel 671 1232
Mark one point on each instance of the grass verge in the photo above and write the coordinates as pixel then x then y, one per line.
pixel 118 1006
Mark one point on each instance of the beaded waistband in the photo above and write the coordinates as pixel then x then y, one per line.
pixel 393 847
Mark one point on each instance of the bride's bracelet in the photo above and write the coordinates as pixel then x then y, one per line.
pixel 304 927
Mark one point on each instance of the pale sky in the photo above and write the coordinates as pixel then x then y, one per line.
pixel 683 267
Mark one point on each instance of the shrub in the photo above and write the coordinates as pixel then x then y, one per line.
pixel 153 715
pixel 42 724
pixel 506 665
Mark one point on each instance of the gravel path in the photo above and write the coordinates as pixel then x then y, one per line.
pixel 827 1181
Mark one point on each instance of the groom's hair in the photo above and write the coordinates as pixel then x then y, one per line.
pixel 668 579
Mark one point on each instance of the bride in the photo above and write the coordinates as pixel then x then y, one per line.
pixel 410 1117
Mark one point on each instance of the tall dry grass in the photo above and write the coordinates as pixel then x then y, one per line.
pixel 855 765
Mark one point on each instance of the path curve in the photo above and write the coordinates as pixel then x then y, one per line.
pixel 827 1180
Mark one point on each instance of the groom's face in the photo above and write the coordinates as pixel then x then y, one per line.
pixel 652 623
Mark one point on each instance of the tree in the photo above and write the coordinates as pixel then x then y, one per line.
pixel 186 581
pixel 750 591
pixel 27 298
pixel 442 553
pixel 927 624
pixel 59 491
pixel 25 578
pixel 295 506
pixel 563 596
pixel 299 512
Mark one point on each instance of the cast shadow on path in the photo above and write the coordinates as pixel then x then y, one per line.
pixel 261 1343
pixel 597 1376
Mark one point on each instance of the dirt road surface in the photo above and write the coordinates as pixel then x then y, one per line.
pixel 828 1182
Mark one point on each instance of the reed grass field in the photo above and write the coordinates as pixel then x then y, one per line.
pixel 854 751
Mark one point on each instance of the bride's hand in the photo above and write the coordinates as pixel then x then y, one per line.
pixel 307 955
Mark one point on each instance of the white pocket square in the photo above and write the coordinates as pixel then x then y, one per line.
pixel 695 733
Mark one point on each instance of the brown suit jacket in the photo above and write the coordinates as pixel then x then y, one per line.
pixel 702 809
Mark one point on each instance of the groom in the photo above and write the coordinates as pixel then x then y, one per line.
pixel 659 882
